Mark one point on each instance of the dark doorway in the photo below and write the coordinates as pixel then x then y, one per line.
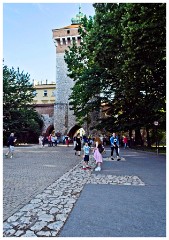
pixel 49 130
pixel 73 130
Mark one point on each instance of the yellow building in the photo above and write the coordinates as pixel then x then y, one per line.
pixel 44 93
pixel 43 102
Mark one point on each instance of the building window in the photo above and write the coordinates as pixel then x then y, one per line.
pixel 34 93
pixel 45 93
pixel 68 31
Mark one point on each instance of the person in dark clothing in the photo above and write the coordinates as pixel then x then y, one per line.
pixel 10 143
pixel 114 141
pixel 78 145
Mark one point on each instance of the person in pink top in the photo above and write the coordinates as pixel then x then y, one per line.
pixel 97 155
pixel 125 141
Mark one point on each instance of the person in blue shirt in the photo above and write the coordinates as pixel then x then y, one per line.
pixel 114 141
pixel 86 150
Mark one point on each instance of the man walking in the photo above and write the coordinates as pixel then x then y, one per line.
pixel 11 141
pixel 114 141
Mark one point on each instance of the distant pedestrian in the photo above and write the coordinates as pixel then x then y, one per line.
pixel 41 141
pixel 114 141
pixel 55 141
pixel 74 141
pixel 10 144
pixel 63 139
pixel 125 141
pixel 78 145
pixel 86 150
pixel 67 140
pixel 104 140
pixel 50 140
pixel 97 155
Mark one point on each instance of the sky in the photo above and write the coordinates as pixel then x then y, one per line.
pixel 27 35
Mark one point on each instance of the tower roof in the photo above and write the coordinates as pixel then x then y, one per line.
pixel 77 19
pixel 72 26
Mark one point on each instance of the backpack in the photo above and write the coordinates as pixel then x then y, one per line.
pixel 101 148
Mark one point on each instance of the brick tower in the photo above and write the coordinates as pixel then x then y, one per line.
pixel 64 120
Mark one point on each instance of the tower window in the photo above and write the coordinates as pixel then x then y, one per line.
pixel 45 93
pixel 68 31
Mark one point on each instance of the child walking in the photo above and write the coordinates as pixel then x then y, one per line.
pixel 86 150
pixel 97 155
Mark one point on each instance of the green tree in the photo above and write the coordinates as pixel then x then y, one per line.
pixel 121 63
pixel 144 38
pixel 19 115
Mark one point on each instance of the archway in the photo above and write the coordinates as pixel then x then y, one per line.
pixel 73 130
pixel 49 130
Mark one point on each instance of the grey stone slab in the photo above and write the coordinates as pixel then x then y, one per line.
pixel 118 211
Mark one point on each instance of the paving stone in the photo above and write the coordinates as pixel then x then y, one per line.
pixel 7 226
pixel 9 232
pixel 46 214
pixel 29 207
pixel 36 200
pixel 54 210
pixel 56 225
pixel 12 219
pixel 19 233
pixel 44 234
pixel 38 226
pixel 61 217
pixel 46 217
pixel 29 234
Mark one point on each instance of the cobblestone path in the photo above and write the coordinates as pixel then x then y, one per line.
pixel 32 170
pixel 46 213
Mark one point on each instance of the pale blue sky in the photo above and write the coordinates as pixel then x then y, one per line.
pixel 27 35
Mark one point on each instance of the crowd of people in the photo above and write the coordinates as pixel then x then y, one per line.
pixel 96 145
pixel 86 144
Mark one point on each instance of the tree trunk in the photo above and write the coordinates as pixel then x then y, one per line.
pixel 138 138
pixel 130 143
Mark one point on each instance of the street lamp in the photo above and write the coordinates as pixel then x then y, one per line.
pixel 156 126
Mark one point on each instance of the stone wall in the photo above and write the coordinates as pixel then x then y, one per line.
pixel 64 119
pixel 47 113
pixel 45 109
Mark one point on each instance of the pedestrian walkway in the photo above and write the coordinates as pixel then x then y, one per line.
pixel 118 201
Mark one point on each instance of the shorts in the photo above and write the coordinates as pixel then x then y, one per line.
pixel 86 158
pixel 11 148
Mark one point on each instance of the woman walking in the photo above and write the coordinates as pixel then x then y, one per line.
pixel 78 145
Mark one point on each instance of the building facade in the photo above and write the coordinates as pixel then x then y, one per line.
pixel 43 102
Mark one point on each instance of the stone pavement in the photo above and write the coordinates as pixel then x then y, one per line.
pixel 122 210
pixel 32 170
pixel 48 213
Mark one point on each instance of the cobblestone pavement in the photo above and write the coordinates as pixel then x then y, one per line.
pixel 46 213
pixel 31 170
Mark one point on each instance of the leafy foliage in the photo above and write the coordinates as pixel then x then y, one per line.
pixel 18 113
pixel 121 63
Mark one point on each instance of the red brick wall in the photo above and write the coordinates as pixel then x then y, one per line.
pixel 45 109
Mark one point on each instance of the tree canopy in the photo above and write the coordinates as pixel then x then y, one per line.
pixel 19 115
pixel 121 64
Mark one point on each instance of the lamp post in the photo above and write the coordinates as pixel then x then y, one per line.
pixel 156 126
